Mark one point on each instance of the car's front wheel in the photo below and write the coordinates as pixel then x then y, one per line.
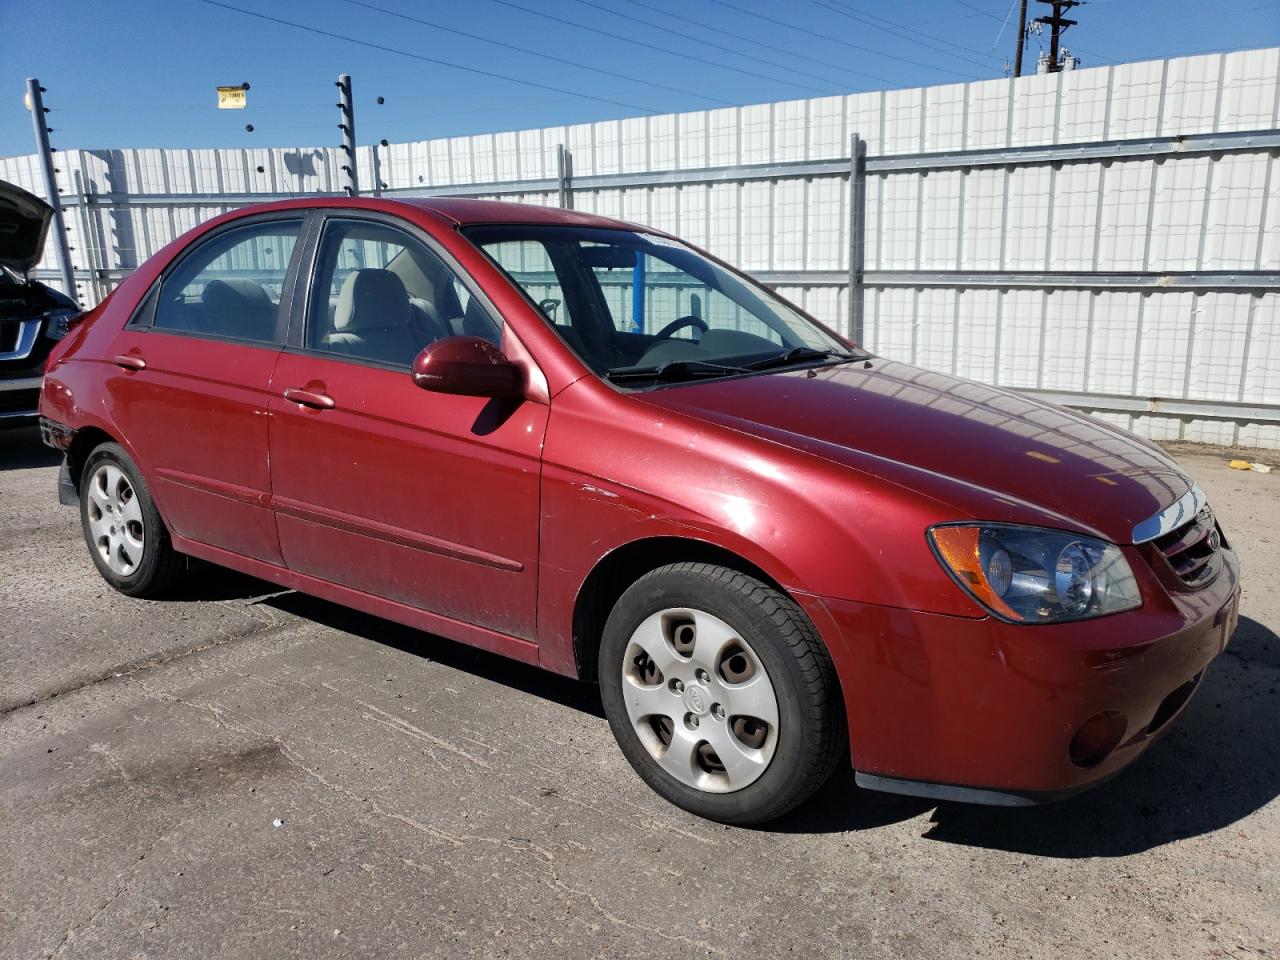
pixel 720 693
pixel 122 527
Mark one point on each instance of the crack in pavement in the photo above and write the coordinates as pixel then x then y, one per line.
pixel 131 667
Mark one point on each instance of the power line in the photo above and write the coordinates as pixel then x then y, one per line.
pixel 425 59
pixel 919 33
pixel 985 13
pixel 858 18
pixel 649 46
pixel 843 43
pixel 702 24
pixel 537 53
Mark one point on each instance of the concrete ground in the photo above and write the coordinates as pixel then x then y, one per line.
pixel 434 801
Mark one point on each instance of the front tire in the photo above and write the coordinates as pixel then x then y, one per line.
pixel 720 693
pixel 127 540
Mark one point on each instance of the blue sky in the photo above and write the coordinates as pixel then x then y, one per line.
pixel 142 72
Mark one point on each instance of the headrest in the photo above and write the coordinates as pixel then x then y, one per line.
pixel 372 299
pixel 236 295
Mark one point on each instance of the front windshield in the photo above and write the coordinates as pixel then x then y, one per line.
pixel 637 307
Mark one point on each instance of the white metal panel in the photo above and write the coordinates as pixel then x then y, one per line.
pixel 1021 328
pixel 790 125
pixel 988 114
pixel 826 214
pixel 1249 90
pixel 1136 90
pixel 826 128
pixel 789 239
pixel 1085 105
pixel 899 224
pixel 1191 94
pixel 755 226
pixel 903 121
pixel 865 118
pixel 1125 210
pixel 755 134
pixel 1231 228
pixel 1026 231
pixel 977 336
pixel 1218 343
pixel 723 131
pixel 1067 325
pixel 661 143
pixel 606 147
pixel 939 227
pixel 1113 346
pixel 1164 345
pixel 1074 234
pixel 1035 100
pixel 1179 201
pixel 944 117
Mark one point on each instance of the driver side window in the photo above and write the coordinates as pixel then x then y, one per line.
pixel 381 295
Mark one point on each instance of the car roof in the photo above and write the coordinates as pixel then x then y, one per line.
pixel 459 210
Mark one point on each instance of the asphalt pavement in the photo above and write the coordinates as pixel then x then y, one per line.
pixel 234 771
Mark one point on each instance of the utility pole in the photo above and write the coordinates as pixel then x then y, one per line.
pixel 1059 25
pixel 1022 39
pixel 35 103
pixel 346 108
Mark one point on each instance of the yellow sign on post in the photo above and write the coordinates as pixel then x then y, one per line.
pixel 232 98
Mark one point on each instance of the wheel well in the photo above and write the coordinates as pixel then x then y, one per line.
pixel 84 443
pixel 624 566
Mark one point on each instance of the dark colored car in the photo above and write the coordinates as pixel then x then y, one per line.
pixel 33 317
pixel 587 445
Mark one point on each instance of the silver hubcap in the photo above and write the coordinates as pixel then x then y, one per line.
pixel 700 701
pixel 115 519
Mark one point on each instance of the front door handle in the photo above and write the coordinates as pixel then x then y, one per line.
pixel 308 398
pixel 129 362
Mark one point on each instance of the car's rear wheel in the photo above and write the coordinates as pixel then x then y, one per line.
pixel 720 693
pixel 122 528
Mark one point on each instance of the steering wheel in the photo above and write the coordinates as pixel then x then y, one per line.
pixel 689 321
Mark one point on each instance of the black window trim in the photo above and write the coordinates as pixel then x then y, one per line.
pixel 296 342
pixel 143 318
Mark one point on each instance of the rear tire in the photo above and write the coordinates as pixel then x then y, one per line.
pixel 720 693
pixel 126 537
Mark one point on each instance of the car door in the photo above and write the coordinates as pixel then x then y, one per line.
pixel 193 373
pixel 426 499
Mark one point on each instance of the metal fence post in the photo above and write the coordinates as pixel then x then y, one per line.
pixel 857 236
pixel 63 250
pixel 564 175
pixel 348 127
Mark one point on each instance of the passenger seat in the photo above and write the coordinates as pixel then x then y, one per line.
pixel 376 320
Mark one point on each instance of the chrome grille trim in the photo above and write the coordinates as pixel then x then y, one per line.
pixel 24 342
pixel 1171 517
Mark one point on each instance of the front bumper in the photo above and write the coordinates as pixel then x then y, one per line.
pixel 19 398
pixel 983 711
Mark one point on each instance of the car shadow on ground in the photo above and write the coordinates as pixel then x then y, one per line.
pixel 1218 764
pixel 22 449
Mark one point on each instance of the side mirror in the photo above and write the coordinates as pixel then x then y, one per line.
pixel 468 366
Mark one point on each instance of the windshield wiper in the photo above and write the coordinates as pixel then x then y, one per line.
pixel 673 370
pixel 796 355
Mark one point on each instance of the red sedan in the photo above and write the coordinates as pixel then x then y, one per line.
pixel 589 446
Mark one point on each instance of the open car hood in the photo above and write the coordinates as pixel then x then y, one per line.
pixel 24 223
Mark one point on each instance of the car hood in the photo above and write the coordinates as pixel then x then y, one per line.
pixel 24 224
pixel 985 449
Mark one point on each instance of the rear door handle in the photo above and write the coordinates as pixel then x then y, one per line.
pixel 129 362
pixel 317 401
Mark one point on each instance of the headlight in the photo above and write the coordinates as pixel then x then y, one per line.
pixel 1032 575
pixel 60 322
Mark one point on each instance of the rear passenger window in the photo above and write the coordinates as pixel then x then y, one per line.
pixel 230 285
pixel 381 295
